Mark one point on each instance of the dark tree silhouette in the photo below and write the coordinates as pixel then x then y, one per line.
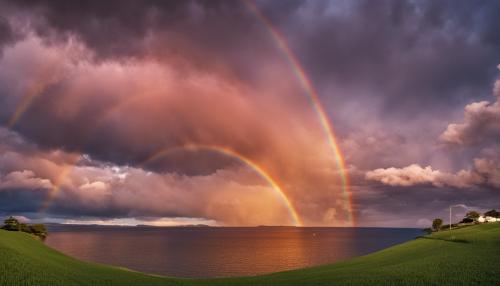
pixel 492 213
pixel 436 224
pixel 472 215
pixel 11 224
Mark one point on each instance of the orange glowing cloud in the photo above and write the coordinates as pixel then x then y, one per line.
pixel 124 111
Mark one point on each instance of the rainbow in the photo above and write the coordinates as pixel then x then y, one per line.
pixel 233 154
pixel 298 71
pixel 32 92
pixel 56 187
pixel 312 94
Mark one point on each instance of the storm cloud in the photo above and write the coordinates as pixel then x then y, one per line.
pixel 96 90
pixel 481 123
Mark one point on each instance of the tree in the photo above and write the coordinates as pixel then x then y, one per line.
pixel 492 213
pixel 24 227
pixel 467 220
pixel 472 215
pixel 11 224
pixel 38 229
pixel 436 224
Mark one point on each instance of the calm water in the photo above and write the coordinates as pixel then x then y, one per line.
pixel 210 252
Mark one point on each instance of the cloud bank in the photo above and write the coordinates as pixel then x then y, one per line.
pixel 481 123
pixel 480 127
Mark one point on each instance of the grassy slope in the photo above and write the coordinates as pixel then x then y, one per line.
pixel 466 256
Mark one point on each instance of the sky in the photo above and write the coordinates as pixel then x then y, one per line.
pixel 245 113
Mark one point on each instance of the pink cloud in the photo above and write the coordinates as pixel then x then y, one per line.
pixel 25 179
pixel 126 111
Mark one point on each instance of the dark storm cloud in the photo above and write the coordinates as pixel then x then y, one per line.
pixel 6 34
pixel 223 29
pixel 218 36
pixel 414 54
pixel 18 201
pixel 411 54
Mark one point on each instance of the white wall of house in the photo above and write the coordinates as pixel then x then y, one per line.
pixel 488 219
pixel 491 219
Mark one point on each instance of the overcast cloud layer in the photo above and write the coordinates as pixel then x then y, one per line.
pixel 90 92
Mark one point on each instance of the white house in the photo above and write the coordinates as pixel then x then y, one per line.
pixel 491 219
pixel 488 219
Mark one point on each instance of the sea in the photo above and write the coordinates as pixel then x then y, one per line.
pixel 221 251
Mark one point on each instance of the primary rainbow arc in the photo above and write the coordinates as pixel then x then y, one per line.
pixel 248 162
pixel 312 94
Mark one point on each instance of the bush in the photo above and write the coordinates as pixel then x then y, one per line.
pixel 38 229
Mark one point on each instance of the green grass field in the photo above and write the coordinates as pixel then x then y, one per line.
pixel 468 256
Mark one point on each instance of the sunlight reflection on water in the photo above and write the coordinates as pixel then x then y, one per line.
pixel 210 252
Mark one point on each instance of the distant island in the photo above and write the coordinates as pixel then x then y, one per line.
pixel 170 226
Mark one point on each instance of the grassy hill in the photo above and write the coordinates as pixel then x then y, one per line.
pixel 468 256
